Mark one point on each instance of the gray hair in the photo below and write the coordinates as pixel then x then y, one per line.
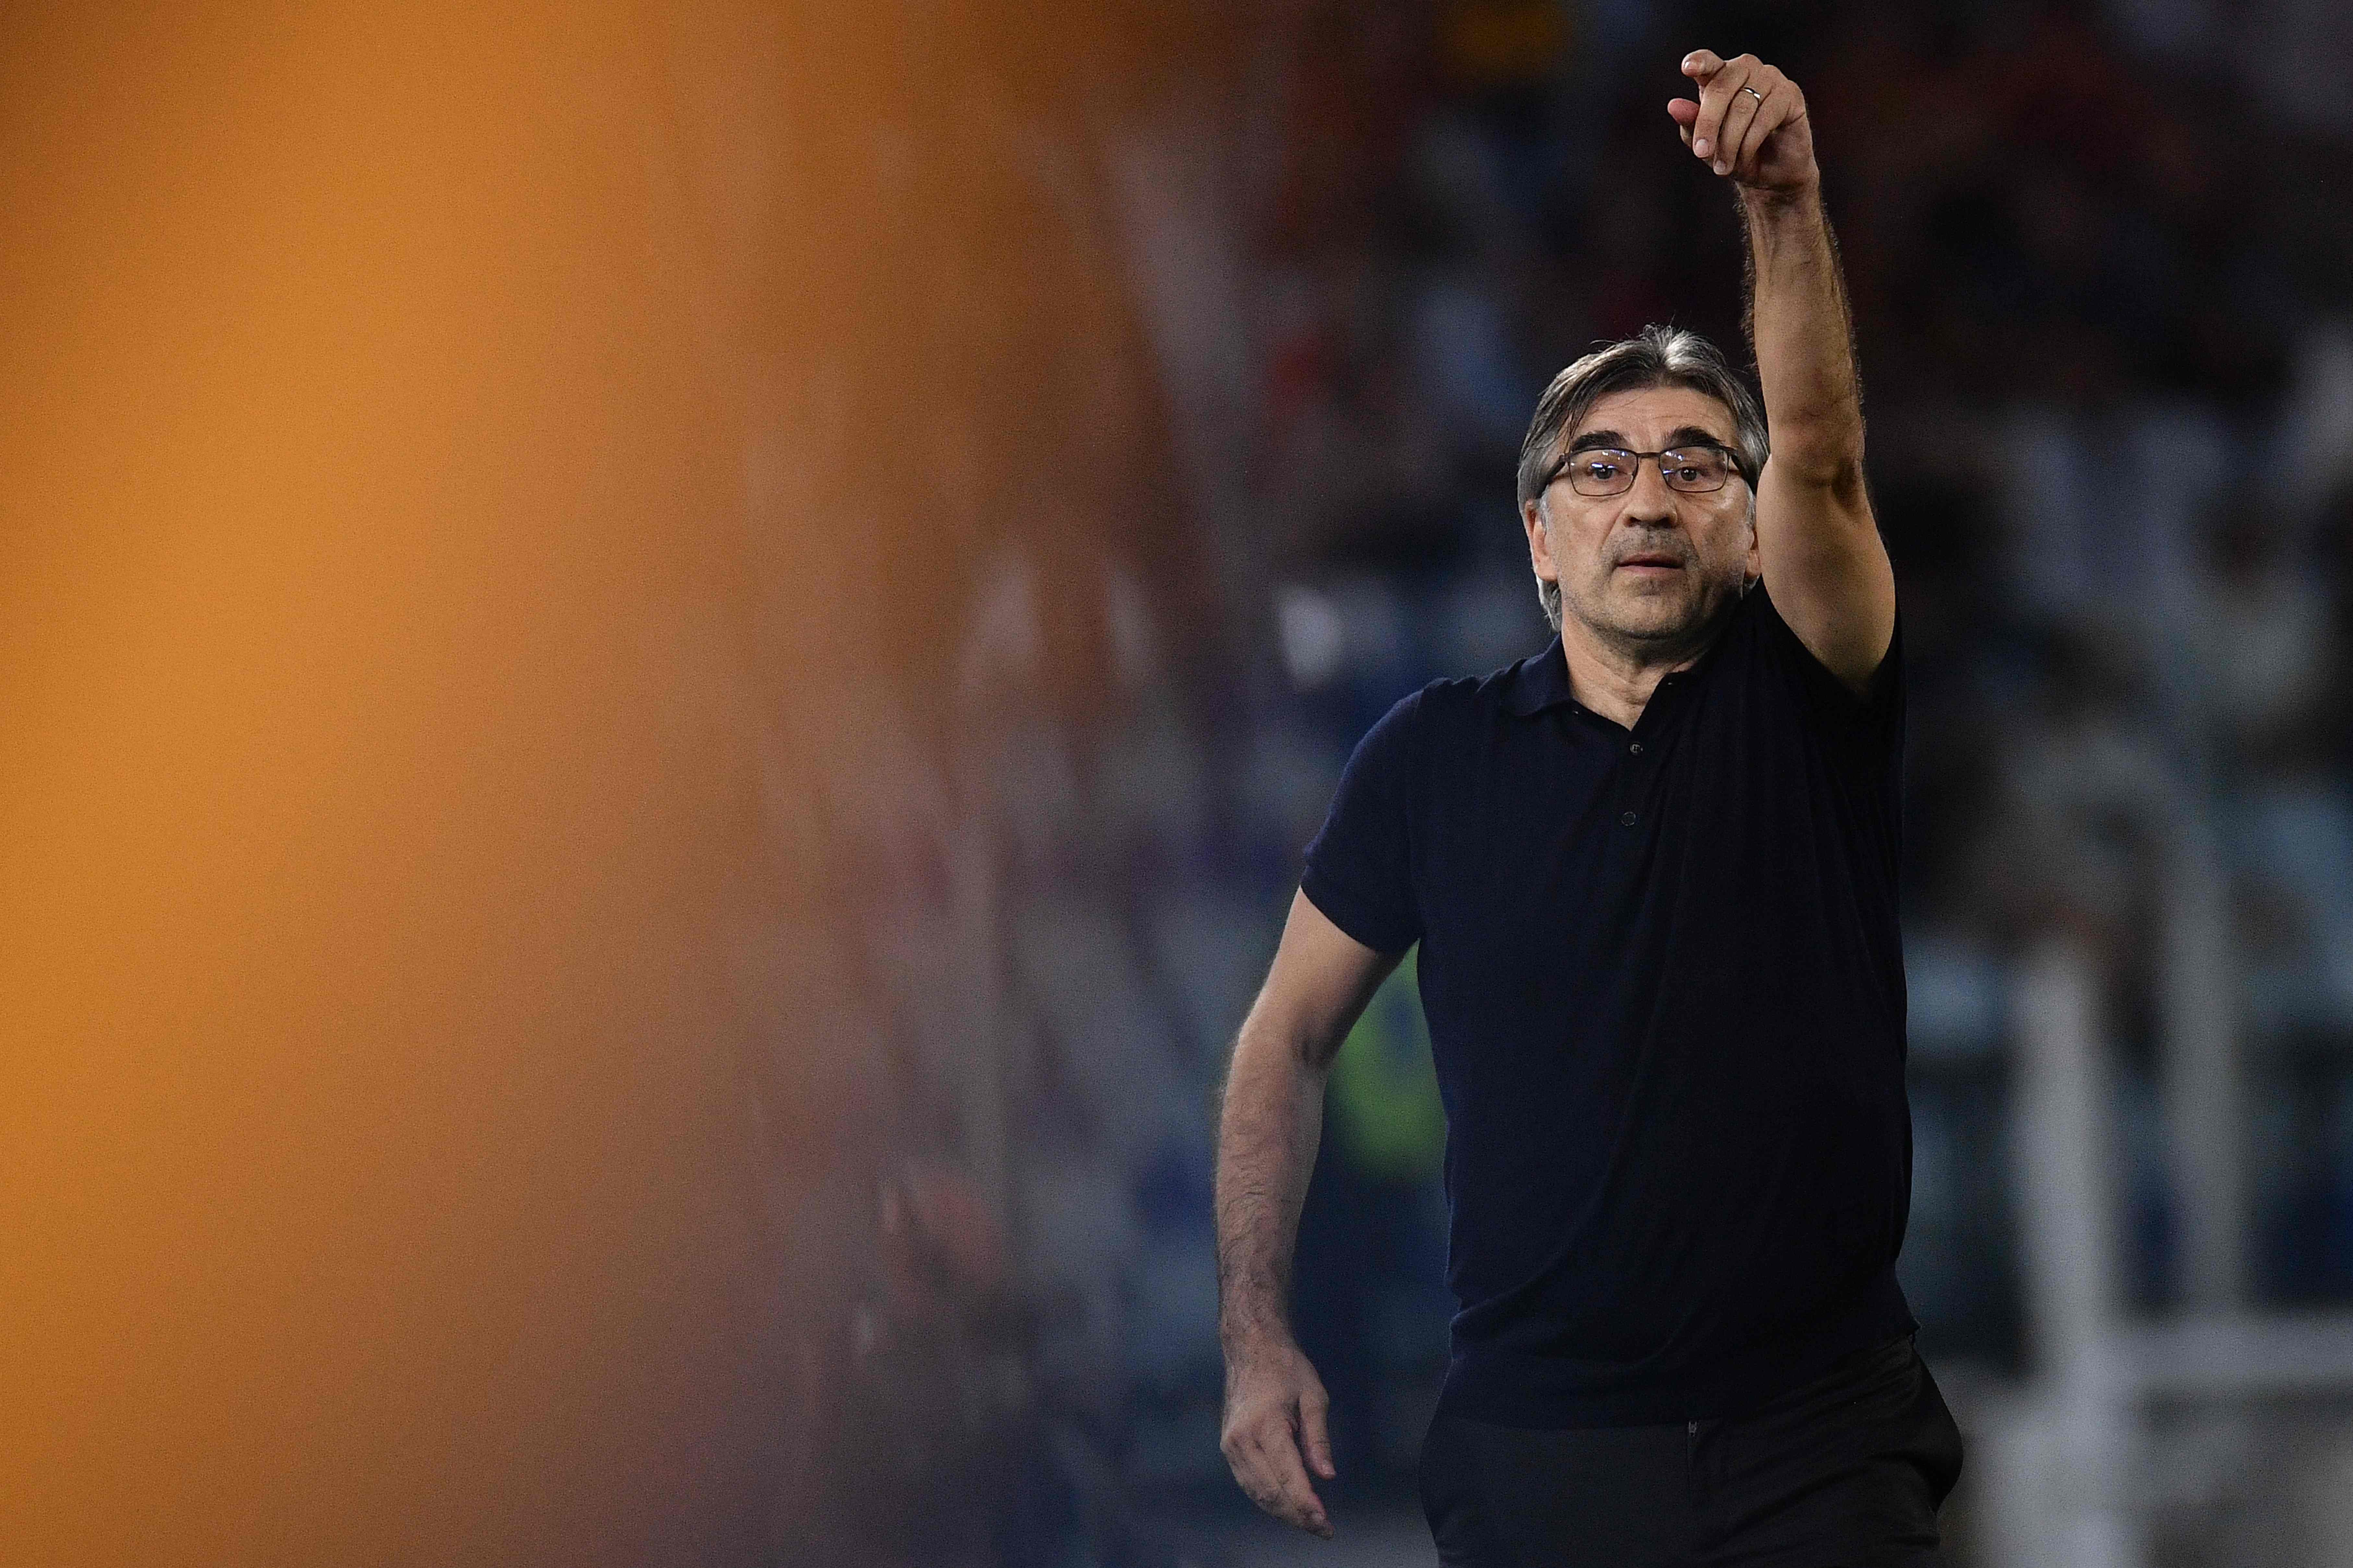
pixel 1656 356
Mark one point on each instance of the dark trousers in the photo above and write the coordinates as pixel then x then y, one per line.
pixel 1846 1472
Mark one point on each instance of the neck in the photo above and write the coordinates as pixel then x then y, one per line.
pixel 1614 674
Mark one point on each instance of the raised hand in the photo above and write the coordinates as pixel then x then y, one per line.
pixel 1749 125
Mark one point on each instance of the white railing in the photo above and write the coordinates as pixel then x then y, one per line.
pixel 2063 1460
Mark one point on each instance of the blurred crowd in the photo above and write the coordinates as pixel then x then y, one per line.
pixel 1321 258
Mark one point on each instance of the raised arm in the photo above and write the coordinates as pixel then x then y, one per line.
pixel 1268 1130
pixel 1819 546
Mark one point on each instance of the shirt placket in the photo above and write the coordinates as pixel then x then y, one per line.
pixel 1633 798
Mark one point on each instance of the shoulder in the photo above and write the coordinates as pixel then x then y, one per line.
pixel 1455 705
pixel 1769 639
pixel 1757 625
pixel 1438 721
pixel 1401 735
pixel 1454 708
pixel 1757 617
pixel 1436 706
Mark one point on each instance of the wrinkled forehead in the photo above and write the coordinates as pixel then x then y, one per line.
pixel 1651 418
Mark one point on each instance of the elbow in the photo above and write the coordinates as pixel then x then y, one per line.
pixel 1287 1051
pixel 1829 466
pixel 1313 1054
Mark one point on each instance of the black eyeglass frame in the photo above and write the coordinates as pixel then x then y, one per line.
pixel 1733 465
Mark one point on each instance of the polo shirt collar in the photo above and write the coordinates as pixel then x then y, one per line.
pixel 1540 682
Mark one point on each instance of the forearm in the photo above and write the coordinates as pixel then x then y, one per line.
pixel 1269 1128
pixel 1818 545
pixel 1804 338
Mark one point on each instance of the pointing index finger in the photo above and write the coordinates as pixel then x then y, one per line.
pixel 1701 64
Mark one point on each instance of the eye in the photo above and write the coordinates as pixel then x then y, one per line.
pixel 1693 468
pixel 1603 467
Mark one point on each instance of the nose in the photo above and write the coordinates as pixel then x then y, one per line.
pixel 1649 500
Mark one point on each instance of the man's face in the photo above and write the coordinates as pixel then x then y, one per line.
pixel 1651 566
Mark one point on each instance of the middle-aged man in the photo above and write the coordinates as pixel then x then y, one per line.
pixel 1652 871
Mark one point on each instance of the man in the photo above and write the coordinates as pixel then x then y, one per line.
pixel 1652 873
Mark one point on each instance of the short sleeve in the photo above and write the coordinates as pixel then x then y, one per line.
pixel 1871 720
pixel 1360 867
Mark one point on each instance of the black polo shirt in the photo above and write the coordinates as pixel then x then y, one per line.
pixel 1665 993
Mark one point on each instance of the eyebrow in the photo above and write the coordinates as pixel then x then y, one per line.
pixel 1681 435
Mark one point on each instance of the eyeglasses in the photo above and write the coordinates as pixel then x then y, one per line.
pixel 1693 470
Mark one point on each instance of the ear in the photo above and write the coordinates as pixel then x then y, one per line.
pixel 1532 518
pixel 1755 556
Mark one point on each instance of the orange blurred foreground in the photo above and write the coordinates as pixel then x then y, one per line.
pixel 378 826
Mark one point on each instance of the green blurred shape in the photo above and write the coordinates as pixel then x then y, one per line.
pixel 1384 1091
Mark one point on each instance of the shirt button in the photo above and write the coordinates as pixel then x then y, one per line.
pixel 1636 748
pixel 1627 820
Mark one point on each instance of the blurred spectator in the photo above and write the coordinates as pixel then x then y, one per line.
pixel 2264 643
pixel 2111 395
